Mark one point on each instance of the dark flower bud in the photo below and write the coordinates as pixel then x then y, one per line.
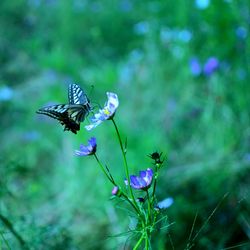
pixel 156 157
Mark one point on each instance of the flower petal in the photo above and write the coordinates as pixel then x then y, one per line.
pixel 106 113
pixel 143 173
pixel 210 66
pixel 165 203
pixel 113 101
pixel 88 149
pixel 134 180
pixel 92 141
pixel 143 181
pixel 93 125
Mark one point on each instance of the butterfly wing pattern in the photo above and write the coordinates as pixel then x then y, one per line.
pixel 72 114
pixel 76 95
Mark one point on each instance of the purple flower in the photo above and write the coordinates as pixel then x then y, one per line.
pixel 115 190
pixel 210 66
pixel 106 113
pixel 90 149
pixel 195 66
pixel 143 181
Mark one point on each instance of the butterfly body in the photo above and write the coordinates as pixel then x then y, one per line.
pixel 72 114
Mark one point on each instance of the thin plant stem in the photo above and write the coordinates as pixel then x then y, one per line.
pixel 146 242
pixel 192 229
pixel 155 182
pixel 103 170
pixel 129 201
pixel 125 162
pixel 139 242
pixel 149 207
pixel 11 228
pixel 209 217
pixel 112 181
pixel 5 241
pixel 157 166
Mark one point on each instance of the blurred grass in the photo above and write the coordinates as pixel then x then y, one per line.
pixel 142 52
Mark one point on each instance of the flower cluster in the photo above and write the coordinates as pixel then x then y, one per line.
pixel 210 66
pixel 144 206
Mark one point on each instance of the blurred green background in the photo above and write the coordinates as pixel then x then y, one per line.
pixel 154 55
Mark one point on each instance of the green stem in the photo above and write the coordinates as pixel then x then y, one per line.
pixel 154 188
pixel 146 243
pixel 112 181
pixel 157 167
pixel 124 195
pixel 149 207
pixel 11 228
pixel 103 170
pixel 125 162
pixel 130 202
pixel 139 242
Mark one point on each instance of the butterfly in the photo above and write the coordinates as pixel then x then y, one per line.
pixel 72 114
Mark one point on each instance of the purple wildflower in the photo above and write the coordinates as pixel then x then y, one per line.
pixel 90 149
pixel 210 66
pixel 106 113
pixel 143 181
pixel 195 66
pixel 115 190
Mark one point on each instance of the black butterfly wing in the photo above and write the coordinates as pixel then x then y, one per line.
pixel 79 102
pixel 65 114
pixel 72 114
pixel 78 112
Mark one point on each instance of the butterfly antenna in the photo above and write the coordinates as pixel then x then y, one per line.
pixel 95 105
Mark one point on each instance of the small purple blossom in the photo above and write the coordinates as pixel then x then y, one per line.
pixel 90 149
pixel 106 113
pixel 210 66
pixel 115 190
pixel 195 66
pixel 143 181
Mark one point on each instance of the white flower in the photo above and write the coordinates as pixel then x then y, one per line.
pixel 106 113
